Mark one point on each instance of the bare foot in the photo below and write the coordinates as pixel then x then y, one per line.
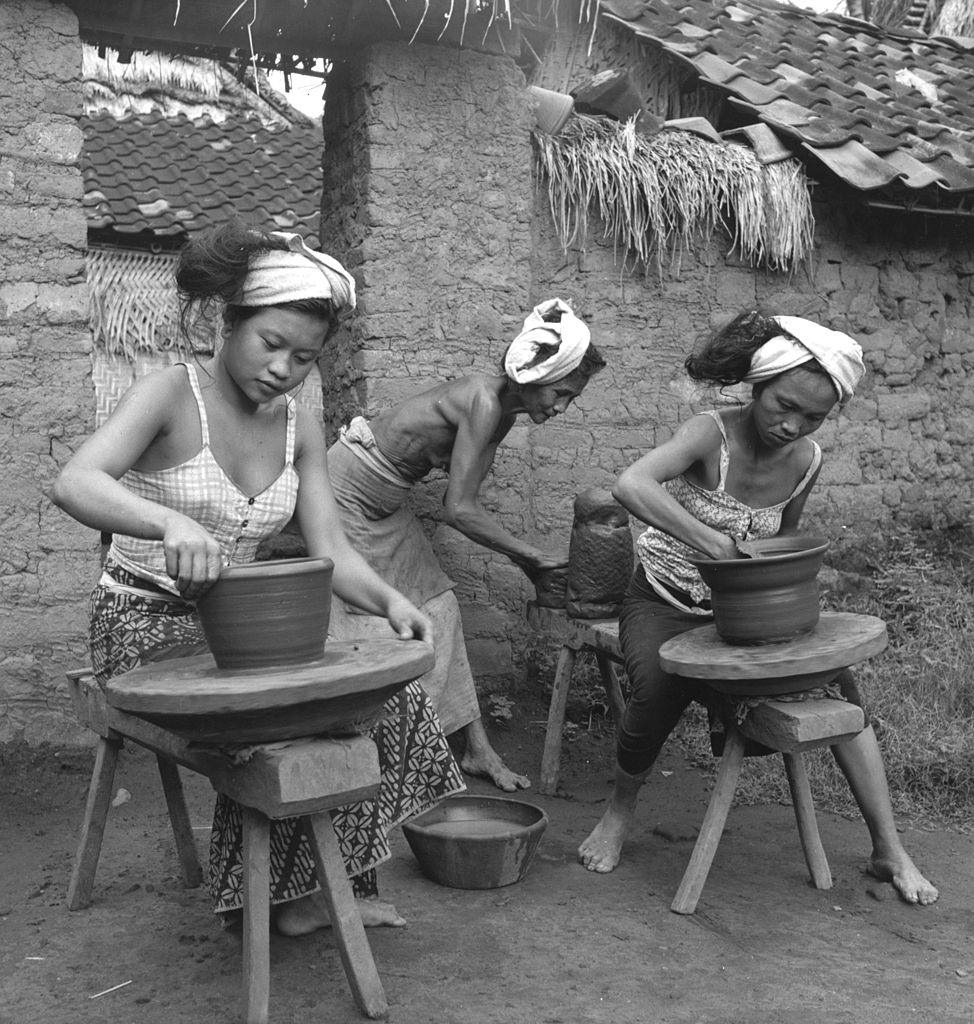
pixel 906 878
pixel 601 850
pixel 488 765
pixel 308 914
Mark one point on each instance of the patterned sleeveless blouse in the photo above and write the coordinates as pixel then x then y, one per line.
pixel 664 558
pixel 200 489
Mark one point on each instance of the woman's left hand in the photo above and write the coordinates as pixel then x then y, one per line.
pixel 408 621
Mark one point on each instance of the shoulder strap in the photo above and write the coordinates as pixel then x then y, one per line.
pixel 292 420
pixel 195 385
pixel 724 448
pixel 810 472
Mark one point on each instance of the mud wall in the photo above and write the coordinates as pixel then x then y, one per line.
pixel 47 563
pixel 428 192
pixel 429 187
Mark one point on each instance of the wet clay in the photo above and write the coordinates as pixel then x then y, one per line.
pixel 600 556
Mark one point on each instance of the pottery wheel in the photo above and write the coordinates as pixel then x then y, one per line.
pixel 839 640
pixel 336 692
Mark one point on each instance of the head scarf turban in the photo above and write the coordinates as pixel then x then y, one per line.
pixel 299 273
pixel 839 355
pixel 564 330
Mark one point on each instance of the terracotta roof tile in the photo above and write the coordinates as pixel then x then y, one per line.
pixel 172 175
pixel 882 109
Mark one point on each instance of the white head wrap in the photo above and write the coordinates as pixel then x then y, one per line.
pixel 277 276
pixel 566 331
pixel 839 355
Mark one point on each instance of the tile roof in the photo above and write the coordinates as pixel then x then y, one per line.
pixel 888 112
pixel 171 175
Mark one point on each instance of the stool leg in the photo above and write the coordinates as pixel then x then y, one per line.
pixel 182 831
pixel 685 901
pixel 256 916
pixel 346 922
pixel 93 826
pixel 551 756
pixel 611 683
pixel 801 798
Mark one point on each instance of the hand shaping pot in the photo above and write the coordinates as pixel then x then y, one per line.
pixel 268 613
pixel 770 598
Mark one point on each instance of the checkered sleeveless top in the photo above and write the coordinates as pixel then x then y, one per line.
pixel 200 489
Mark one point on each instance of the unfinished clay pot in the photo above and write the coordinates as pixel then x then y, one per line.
pixel 600 556
pixel 769 598
pixel 268 613
pixel 550 587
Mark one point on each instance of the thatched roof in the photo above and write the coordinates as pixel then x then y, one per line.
pixel 172 85
pixel 657 195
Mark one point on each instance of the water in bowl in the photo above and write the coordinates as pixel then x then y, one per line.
pixel 464 828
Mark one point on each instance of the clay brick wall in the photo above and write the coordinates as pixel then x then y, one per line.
pixel 901 286
pixel 48 563
pixel 428 157
pixel 428 193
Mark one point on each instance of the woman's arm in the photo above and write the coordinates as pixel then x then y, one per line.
pixel 474 447
pixel 640 487
pixel 88 486
pixel 354 580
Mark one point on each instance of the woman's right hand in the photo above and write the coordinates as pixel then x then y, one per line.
pixel 193 558
pixel 724 547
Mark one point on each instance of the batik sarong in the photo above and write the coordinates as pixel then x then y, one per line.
pixel 371 496
pixel 133 623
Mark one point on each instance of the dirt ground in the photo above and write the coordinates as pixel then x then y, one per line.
pixel 561 947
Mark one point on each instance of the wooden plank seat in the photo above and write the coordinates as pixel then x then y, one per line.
pixel 298 778
pixel 601 637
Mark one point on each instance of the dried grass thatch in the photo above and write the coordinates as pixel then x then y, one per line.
pixel 656 195
pixel 954 18
pixel 132 304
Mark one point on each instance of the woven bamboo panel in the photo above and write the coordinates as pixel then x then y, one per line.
pixel 132 303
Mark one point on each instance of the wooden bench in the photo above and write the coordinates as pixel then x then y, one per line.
pixel 601 637
pixel 304 778
pixel 791 727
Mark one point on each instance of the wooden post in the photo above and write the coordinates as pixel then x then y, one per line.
pixel 93 826
pixel 551 756
pixel 346 922
pixel 685 901
pixel 801 798
pixel 256 917
pixel 182 831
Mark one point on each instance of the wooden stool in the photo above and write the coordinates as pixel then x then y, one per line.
pixel 790 727
pixel 601 636
pixel 303 778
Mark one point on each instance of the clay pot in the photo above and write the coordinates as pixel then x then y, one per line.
pixel 268 613
pixel 476 842
pixel 769 598
pixel 551 109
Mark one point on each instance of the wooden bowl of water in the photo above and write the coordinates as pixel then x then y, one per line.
pixel 476 842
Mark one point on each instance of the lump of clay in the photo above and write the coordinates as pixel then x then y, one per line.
pixel 600 556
